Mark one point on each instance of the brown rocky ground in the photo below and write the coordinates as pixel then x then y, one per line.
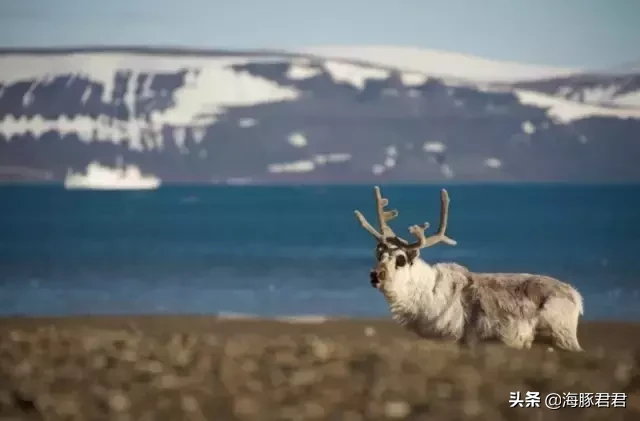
pixel 203 368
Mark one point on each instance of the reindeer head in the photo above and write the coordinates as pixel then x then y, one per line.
pixel 393 254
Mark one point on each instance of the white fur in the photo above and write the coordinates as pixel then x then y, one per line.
pixel 448 301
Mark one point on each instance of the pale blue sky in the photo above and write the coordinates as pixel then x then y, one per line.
pixel 582 33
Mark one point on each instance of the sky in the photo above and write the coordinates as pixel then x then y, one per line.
pixel 592 34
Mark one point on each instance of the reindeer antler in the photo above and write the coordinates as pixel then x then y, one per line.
pixel 440 236
pixel 384 216
pixel 387 236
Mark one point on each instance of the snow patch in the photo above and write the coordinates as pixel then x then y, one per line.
pixel 211 85
pixel 102 67
pixel 447 171
pixel 301 166
pixel 297 72
pixel 566 111
pixel 245 123
pixel 434 147
pixel 180 137
pixel 198 134
pixel 494 163
pixel 217 87
pixel 439 63
pixel 332 158
pixel 86 128
pixel 631 99
pixel 378 169
pixel 392 151
pixel 601 94
pixel 106 178
pixel 27 98
pixel 596 94
pixel 413 79
pixel 352 74
pixel 320 159
pixel 298 140
pixel 528 127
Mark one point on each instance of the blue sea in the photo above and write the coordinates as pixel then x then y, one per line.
pixel 273 251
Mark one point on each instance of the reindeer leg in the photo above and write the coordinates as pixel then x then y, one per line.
pixel 561 319
pixel 470 335
pixel 518 334
pixel 470 339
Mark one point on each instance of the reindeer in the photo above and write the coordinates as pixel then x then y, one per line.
pixel 448 301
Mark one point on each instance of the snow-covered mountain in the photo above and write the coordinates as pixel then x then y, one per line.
pixel 618 87
pixel 139 117
pixel 442 64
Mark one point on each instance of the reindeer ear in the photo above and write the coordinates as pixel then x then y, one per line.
pixel 412 254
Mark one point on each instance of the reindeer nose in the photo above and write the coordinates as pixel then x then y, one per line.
pixel 374 279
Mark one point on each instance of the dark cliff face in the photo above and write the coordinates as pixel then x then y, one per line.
pixel 314 126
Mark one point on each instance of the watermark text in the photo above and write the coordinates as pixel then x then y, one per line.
pixel 567 400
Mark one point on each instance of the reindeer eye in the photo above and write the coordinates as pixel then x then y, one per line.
pixel 401 260
pixel 378 253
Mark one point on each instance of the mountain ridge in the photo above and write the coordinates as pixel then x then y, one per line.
pixel 92 119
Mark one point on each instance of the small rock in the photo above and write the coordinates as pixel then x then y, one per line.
pixel 549 368
pixel 183 357
pixel 119 402
pixel 320 349
pixel 314 410
pixel 249 366
pixel 211 340
pixel 66 406
pixel 190 404
pixel 246 407
pixel 352 416
pixel 169 381
pixel 16 336
pixel 303 378
pixel 471 408
pixel 151 366
pixel 623 371
pixel 444 390
pixel 98 362
pixel 23 369
pixel 90 343
pixel 129 355
pixel 397 409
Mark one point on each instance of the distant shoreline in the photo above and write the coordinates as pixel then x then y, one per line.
pixel 365 183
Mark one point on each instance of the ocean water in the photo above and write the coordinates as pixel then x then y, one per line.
pixel 298 250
